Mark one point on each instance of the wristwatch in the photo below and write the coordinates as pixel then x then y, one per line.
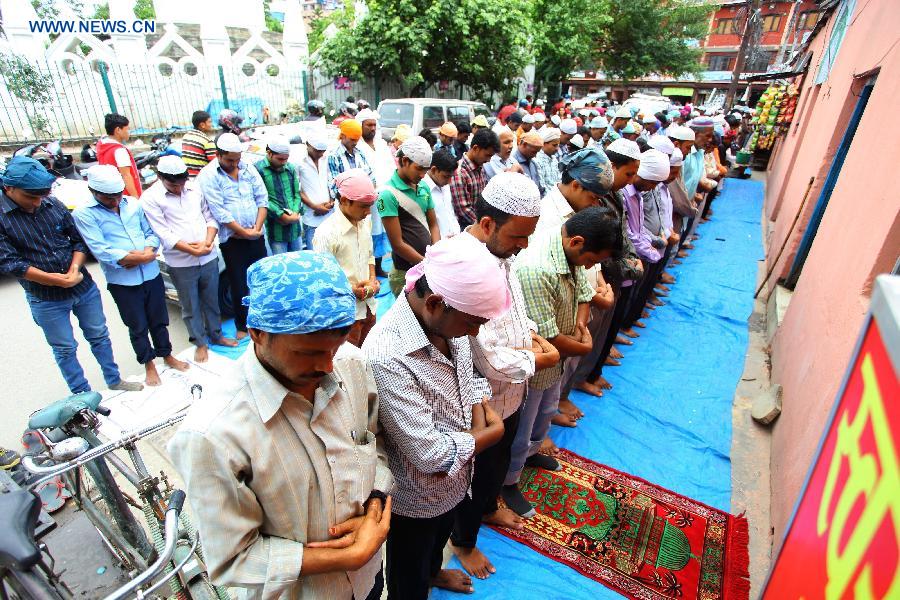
pixel 376 494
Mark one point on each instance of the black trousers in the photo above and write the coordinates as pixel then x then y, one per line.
pixel 639 297
pixel 143 310
pixel 415 550
pixel 375 594
pixel 239 254
pixel 490 471
pixel 710 196
pixel 623 301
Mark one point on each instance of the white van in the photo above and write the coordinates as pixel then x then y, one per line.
pixel 420 113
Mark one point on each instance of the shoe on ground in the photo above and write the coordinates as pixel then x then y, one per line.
pixel 127 386
pixel 542 461
pixel 9 459
pixel 516 502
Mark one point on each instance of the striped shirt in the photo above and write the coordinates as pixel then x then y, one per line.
pixel 548 170
pixel 267 471
pixel 284 193
pixel 197 150
pixel 499 350
pixel 552 290
pixel 339 160
pixel 232 201
pixel 45 239
pixel 465 187
pixel 425 404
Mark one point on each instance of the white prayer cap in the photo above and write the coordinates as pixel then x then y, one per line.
pixel 279 145
pixel 568 126
pixel 538 102
pixel 417 150
pixel 317 141
pixel 649 119
pixel 599 123
pixel 625 148
pixel 622 113
pixel 539 117
pixel 577 141
pixel 550 133
pixel 367 114
pixel 229 142
pixel 555 120
pixel 677 158
pixel 171 165
pixel 105 179
pixel 528 118
pixel 681 133
pixel 662 143
pixel 513 193
pixel 654 166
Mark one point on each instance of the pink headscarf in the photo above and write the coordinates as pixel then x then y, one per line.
pixel 466 275
pixel 355 185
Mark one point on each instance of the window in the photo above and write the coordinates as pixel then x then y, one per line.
pixel 395 113
pixel 481 109
pixel 725 27
pixel 458 114
pixel 758 62
pixel 807 20
pixel 721 62
pixel 432 116
pixel 771 23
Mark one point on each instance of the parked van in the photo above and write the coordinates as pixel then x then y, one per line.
pixel 420 113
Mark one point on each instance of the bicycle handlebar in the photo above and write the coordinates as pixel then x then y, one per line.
pixel 171 533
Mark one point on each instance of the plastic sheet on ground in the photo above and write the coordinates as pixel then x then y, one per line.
pixel 668 417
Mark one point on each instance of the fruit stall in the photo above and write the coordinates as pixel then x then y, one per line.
pixel 773 117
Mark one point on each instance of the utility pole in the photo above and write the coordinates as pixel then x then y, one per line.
pixel 752 9
pixel 789 34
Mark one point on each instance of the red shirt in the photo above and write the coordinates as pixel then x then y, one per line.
pixel 106 155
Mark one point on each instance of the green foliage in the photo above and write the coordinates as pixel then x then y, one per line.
pixel 272 24
pixel 649 36
pixel 102 11
pixel 143 9
pixel 27 83
pixel 320 21
pixel 565 35
pixel 483 44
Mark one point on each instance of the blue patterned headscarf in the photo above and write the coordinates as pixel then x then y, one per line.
pixel 298 292
pixel 589 167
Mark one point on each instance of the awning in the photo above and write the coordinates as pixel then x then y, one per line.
pixel 785 73
pixel 677 91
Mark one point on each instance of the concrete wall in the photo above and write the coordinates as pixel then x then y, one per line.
pixel 859 236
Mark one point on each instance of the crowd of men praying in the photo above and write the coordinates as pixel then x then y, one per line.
pixel 521 256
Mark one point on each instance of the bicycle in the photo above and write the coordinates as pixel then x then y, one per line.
pixel 68 431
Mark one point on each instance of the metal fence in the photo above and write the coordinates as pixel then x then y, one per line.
pixel 158 96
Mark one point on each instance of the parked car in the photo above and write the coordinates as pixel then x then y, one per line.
pixel 420 113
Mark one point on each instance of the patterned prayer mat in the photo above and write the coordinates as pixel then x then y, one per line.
pixel 637 538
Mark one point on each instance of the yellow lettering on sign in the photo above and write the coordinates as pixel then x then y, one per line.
pixel 880 495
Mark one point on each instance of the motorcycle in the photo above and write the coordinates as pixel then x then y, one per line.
pixel 51 155
pixel 160 145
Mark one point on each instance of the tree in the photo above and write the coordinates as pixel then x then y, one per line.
pixel 342 18
pixel 30 85
pixel 481 44
pixel 565 35
pixel 651 36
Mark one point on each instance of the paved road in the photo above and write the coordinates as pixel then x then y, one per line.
pixel 27 369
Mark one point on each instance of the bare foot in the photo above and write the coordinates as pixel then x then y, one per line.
pixel 564 420
pixel 224 341
pixel 677 261
pixel 603 383
pixel 640 324
pixel 645 314
pixel 621 339
pixel 474 562
pixel 589 388
pixel 503 517
pixel 615 353
pixel 453 580
pixel 682 254
pixel 568 407
pixel 201 354
pixel 178 365
pixel 667 279
pixel 611 362
pixel 548 447
pixel 152 376
pixel 631 333
pixel 241 335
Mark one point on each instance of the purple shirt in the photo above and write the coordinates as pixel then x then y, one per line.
pixel 638 235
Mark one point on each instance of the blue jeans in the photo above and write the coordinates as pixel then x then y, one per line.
pixel 54 318
pixel 534 423
pixel 198 292
pixel 308 232
pixel 282 247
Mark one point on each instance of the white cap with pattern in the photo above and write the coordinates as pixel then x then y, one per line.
pixel 513 193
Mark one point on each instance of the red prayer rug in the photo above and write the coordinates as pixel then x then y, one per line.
pixel 636 538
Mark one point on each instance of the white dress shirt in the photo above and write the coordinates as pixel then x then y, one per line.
pixel 314 183
pixel 443 208
pixel 351 245
pixel 178 219
pixel 498 351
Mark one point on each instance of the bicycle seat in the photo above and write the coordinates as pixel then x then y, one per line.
pixel 19 512
pixel 61 412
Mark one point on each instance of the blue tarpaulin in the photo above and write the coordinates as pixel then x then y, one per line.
pixel 249 108
pixel 668 417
